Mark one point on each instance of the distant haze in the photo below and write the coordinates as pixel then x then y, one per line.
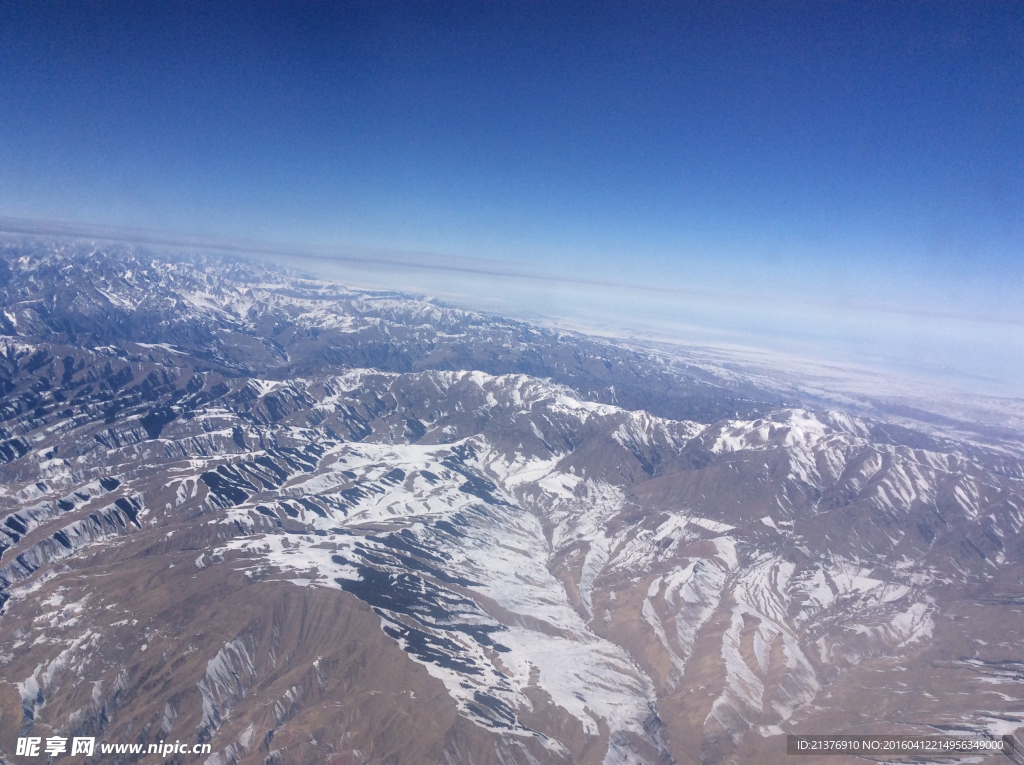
pixel 979 353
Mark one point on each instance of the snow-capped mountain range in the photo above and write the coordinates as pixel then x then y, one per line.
pixel 312 524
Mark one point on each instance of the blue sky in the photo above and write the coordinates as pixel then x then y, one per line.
pixel 830 173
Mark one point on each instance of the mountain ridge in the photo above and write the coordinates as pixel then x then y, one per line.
pixel 533 567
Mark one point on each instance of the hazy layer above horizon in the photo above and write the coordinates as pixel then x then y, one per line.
pixel 967 351
pixel 957 351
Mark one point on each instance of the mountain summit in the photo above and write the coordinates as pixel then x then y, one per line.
pixel 308 524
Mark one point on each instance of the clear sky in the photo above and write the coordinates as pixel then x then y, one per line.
pixel 846 174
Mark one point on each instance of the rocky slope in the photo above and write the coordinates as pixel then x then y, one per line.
pixel 308 524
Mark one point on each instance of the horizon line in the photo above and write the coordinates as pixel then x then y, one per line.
pixel 383 256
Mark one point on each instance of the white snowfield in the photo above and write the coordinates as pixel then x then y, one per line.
pixel 541 507
pixel 533 550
